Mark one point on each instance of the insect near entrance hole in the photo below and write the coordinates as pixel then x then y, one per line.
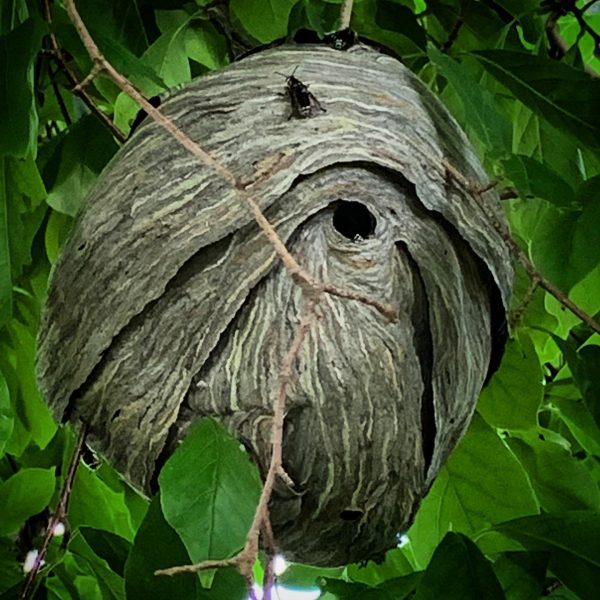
pixel 303 101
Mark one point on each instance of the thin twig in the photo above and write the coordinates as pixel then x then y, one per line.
pixel 245 560
pixel 59 99
pixel 345 14
pixel 517 315
pixel 59 516
pixel 310 286
pixel 458 24
pixel 80 93
pixel 516 250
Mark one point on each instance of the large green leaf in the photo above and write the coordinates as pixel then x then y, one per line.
pixel 209 492
pixel 469 493
pixel 264 20
pixel 157 546
pixel 573 540
pixel 546 86
pixel 522 574
pixel 458 571
pixel 95 504
pixel 6 414
pixel 393 589
pixel 584 365
pixel 560 481
pixel 108 546
pixel 533 178
pixel 30 405
pixel 579 420
pixel 5 259
pixel 18 117
pixel 482 113
pixel 512 398
pixel 23 495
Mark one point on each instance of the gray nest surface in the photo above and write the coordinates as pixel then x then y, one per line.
pixel 168 303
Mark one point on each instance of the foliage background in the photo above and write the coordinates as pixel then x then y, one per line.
pixel 515 512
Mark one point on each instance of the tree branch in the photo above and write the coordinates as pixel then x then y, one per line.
pixel 345 14
pixel 59 516
pixel 245 560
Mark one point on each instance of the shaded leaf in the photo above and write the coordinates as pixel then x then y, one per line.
pixel 76 163
pixel 108 546
pixel 533 178
pixel 18 117
pixel 458 571
pixel 546 87
pixel 6 414
pixel 573 540
pixel 157 546
pixel 264 20
pixel 482 113
pixel 23 495
pixel 5 259
pixel 580 422
pixel 560 481
pixel 393 589
pixel 209 492
pixel 522 574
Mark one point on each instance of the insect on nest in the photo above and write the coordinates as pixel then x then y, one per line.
pixel 304 103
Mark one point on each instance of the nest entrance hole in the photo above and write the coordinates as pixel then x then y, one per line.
pixel 353 220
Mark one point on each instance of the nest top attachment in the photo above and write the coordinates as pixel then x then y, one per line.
pixel 165 266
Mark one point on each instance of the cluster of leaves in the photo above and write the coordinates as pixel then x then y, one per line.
pixel 515 513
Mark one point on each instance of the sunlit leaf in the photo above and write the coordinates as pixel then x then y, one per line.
pixel 513 396
pixel 209 491
pixel 23 495
pixel 468 494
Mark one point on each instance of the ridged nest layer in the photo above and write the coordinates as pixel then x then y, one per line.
pixel 168 303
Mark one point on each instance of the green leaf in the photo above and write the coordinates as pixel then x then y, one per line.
pixel 298 575
pixel 458 571
pixel 389 15
pixel 108 546
pixel 560 481
pixel 6 414
pixel 209 492
pixel 23 495
pixel 393 589
pixel 18 117
pixel 157 546
pixel 573 540
pixel 533 178
pixel 106 580
pixel 584 366
pixel 468 493
pixel 546 87
pixel 580 422
pixel 10 570
pixel 482 113
pixel 264 20
pixel 395 564
pixel 120 21
pixel 513 396
pixel 522 574
pixel 76 163
pixel 96 505
pixel 5 258
pixel 30 405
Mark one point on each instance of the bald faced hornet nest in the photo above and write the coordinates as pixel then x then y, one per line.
pixel 304 104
